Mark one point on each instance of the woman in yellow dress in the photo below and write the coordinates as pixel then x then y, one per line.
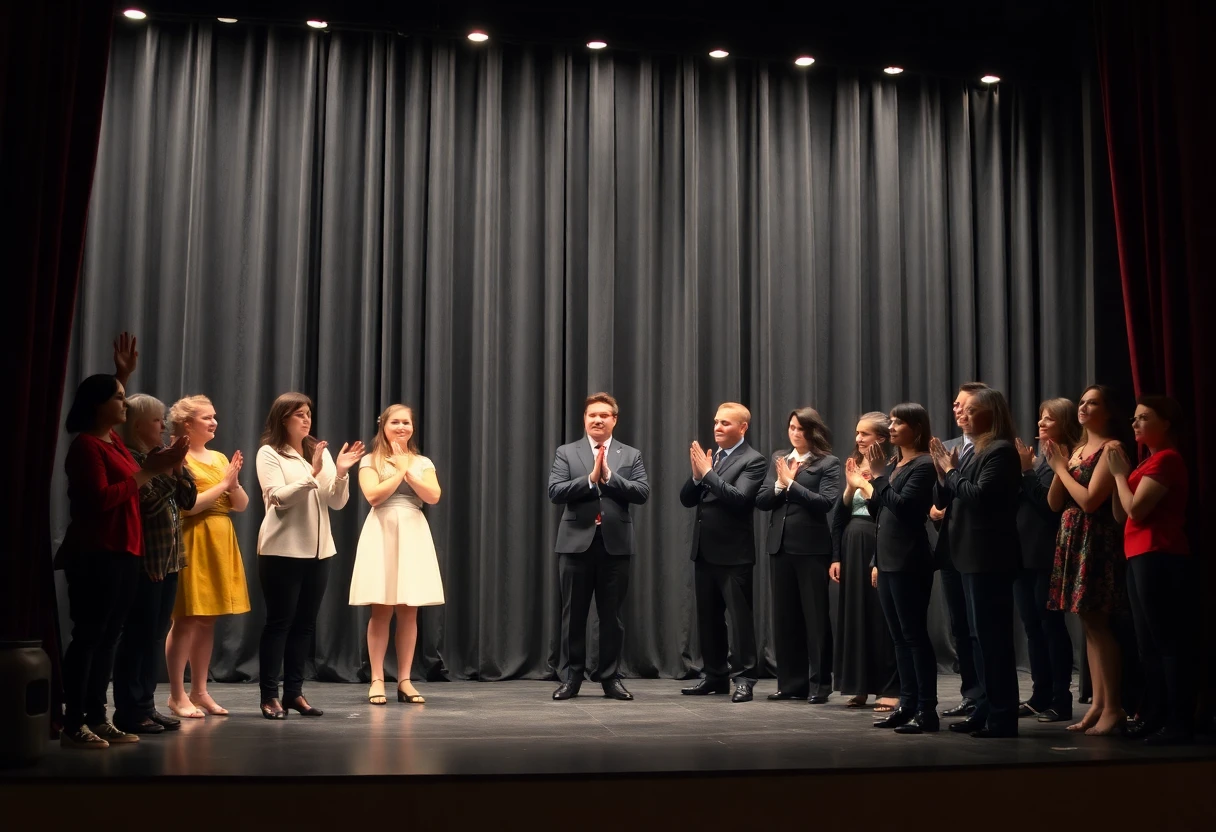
pixel 213 581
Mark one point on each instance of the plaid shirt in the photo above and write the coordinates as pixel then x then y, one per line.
pixel 160 503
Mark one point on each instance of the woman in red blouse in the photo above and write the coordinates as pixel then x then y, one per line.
pixel 1161 576
pixel 100 553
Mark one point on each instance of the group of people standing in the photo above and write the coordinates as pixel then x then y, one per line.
pixel 1073 527
pixel 151 556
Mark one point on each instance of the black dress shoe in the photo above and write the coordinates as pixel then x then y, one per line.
pixel 1052 715
pixel 300 705
pixel 1139 729
pixel 966 726
pixel 743 692
pixel 897 717
pixel 995 733
pixel 964 708
pixel 1025 710
pixel 925 722
pixel 146 725
pixel 818 699
pixel 567 690
pixel 784 695
pixel 616 690
pixel 171 723
pixel 706 687
pixel 272 709
pixel 1170 736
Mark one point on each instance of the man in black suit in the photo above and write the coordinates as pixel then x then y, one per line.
pixel 951 579
pixel 723 489
pixel 596 478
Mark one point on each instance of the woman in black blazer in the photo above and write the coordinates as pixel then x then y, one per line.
pixel 800 491
pixel 1047 639
pixel 982 493
pixel 903 493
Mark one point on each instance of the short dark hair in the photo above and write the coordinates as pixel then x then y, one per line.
pixel 814 428
pixel 972 387
pixel 91 394
pixel 916 417
pixel 601 398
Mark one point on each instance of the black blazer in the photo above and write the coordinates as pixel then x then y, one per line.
pixel 983 498
pixel 939 531
pixel 1038 525
pixel 568 486
pixel 723 533
pixel 900 504
pixel 798 523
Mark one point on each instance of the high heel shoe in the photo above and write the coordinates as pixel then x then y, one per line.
pixel 300 704
pixel 412 698
pixel 271 709
pixel 377 698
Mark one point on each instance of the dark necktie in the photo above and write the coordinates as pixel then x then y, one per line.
pixel 721 457
pixel 965 454
pixel 597 486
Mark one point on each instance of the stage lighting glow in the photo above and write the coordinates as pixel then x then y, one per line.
pixel 317 24
pixel 805 60
pixel 893 70
pixel 990 79
pixel 596 44
pixel 718 53
pixel 478 37
pixel 134 14
pixel 226 19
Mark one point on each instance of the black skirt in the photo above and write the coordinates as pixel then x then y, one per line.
pixel 864 652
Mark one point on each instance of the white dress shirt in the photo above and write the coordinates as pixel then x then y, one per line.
pixel 794 456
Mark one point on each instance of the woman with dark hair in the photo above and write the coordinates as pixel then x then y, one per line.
pixel 1047 639
pixel 801 488
pixel 1087 575
pixel 903 493
pixel 1162 577
pixel 864 654
pixel 982 493
pixel 300 483
pixel 101 553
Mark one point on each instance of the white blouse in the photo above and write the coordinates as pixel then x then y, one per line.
pixel 296 524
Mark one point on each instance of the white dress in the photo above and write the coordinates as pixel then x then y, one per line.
pixel 396 562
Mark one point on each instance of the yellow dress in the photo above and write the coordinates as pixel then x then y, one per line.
pixel 213 581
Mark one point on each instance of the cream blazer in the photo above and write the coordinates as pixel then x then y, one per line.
pixel 296 524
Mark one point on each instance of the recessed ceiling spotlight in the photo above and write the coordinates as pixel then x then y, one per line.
pixel 718 53
pixel 990 79
pixel 317 24
pixel 805 60
pixel 596 44
pixel 134 14
pixel 478 37
pixel 893 70
pixel 226 19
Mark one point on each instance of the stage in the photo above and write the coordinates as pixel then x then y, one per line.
pixel 509 743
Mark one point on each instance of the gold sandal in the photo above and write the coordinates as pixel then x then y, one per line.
pixel 377 698
pixel 412 698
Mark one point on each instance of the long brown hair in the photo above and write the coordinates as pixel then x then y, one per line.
pixel 1117 425
pixel 274 432
pixel 814 429
pixel 382 448
pixel 882 426
pixel 1002 420
pixel 1064 412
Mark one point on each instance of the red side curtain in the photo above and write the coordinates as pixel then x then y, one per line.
pixel 53 57
pixel 1157 105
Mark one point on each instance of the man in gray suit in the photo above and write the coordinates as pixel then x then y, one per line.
pixel 596 478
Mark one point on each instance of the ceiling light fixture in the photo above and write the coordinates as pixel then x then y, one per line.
pixel 317 24
pixel 893 70
pixel 718 53
pixel 134 14
pixel 991 79
pixel 226 19
pixel 478 37
pixel 596 44
pixel 805 60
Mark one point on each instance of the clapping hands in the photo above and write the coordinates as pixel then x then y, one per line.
pixel 1056 457
pixel 702 461
pixel 231 479
pixel 1026 454
pixel 945 461
pixel 786 471
pixel 1116 458
pixel 876 459
pixel 162 460
pixel 348 456
pixel 853 474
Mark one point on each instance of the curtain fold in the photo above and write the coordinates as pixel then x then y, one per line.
pixel 489 235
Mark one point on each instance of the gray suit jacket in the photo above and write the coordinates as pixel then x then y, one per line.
pixel 568 487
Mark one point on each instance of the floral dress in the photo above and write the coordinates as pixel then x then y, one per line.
pixel 1087 575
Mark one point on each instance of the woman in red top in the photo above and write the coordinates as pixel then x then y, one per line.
pixel 100 553
pixel 1161 575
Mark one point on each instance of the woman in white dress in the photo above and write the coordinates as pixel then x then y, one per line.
pixel 396 569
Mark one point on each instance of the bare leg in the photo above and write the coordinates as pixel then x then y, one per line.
pixel 177 653
pixel 1095 675
pixel 1110 668
pixel 407 637
pixel 377 646
pixel 200 665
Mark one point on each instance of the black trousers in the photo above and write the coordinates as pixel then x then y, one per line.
pixel 1047 642
pixel 802 626
pixel 1164 593
pixel 990 608
pixel 960 630
pixel 593 574
pixel 101 588
pixel 723 591
pixel 905 604
pixel 141 651
pixel 293 588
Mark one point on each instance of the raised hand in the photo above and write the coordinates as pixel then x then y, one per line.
pixel 702 461
pixel 876 459
pixel 232 475
pixel 944 460
pixel 786 471
pixel 348 456
pixel 1116 458
pixel 125 357
pixel 597 471
pixel 1026 454
pixel 853 474
pixel 1055 456
pixel 318 457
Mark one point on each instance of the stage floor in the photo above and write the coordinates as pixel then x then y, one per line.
pixel 515 729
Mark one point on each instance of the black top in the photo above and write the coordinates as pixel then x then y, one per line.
pixel 900 503
pixel 1038 525
pixel 983 499
pixel 723 533
pixel 798 524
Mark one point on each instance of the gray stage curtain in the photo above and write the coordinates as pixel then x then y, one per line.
pixel 489 234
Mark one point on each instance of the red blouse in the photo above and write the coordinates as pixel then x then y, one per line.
pixel 1164 528
pixel 103 496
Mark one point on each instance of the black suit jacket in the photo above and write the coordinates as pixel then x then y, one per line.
pixel 798 522
pixel 568 486
pixel 1038 525
pixel 723 533
pixel 939 531
pixel 983 499
pixel 900 503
